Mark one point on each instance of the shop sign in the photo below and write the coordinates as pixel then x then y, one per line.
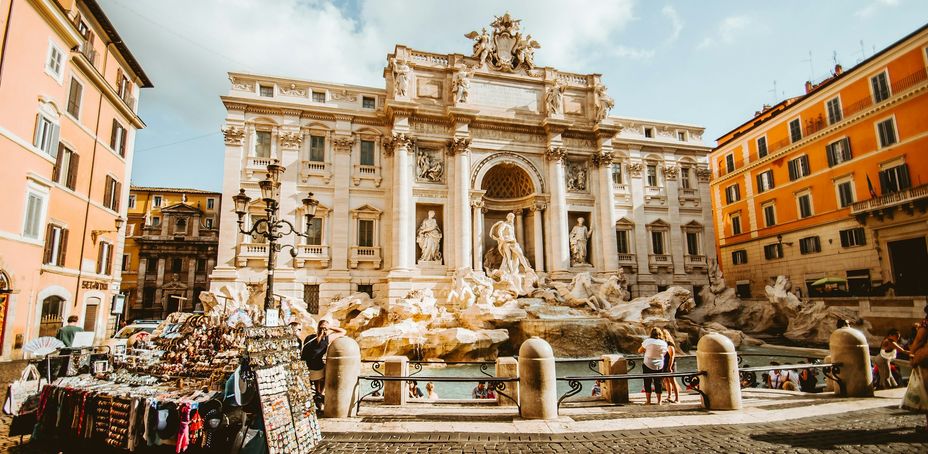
pixel 94 285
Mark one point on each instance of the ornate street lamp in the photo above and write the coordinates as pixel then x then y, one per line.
pixel 273 228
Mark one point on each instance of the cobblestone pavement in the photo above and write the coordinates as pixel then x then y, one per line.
pixel 879 430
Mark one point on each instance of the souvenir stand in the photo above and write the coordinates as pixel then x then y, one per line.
pixel 181 393
pixel 282 381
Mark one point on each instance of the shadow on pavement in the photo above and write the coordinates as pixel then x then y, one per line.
pixel 830 439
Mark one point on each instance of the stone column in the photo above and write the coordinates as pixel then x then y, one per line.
pixel 394 392
pixel 559 252
pixel 716 356
pixel 614 391
pixel 191 275
pixel 849 348
pixel 537 380
pixel 508 367
pixel 403 213
pixel 537 210
pixel 342 368
pixel 605 204
pixel 461 203
pixel 159 293
pixel 520 227
pixel 478 234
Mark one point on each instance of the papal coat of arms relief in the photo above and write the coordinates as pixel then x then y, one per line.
pixel 507 49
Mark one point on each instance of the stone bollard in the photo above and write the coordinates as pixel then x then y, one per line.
pixel 849 348
pixel 395 392
pixel 537 380
pixel 508 367
pixel 829 383
pixel 614 391
pixel 716 356
pixel 342 367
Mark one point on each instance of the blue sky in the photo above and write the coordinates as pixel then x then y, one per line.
pixel 711 63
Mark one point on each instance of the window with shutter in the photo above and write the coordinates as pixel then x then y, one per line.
pixel 761 147
pixel 63 248
pixel 73 167
pixel 74 98
pixel 834 110
pixel 49 243
pixel 880 86
pixel 367 153
pixel 795 130
pixel 317 148
pixel 887 132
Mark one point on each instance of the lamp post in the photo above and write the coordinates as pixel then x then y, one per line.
pixel 272 228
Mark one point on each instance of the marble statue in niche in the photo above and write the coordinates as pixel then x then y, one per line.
pixel 579 238
pixel 429 239
pixel 514 268
pixel 554 98
pixel 400 78
pixel 429 167
pixel 576 177
pixel 461 84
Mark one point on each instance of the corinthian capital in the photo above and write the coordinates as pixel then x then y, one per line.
pixel 234 135
pixel 602 159
pixel 290 140
pixel 458 145
pixel 398 141
pixel 343 143
pixel 555 153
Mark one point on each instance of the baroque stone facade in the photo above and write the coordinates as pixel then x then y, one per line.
pixel 471 138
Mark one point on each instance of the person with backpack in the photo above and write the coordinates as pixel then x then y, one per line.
pixel 313 353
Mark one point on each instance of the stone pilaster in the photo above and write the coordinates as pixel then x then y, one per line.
pixel 289 143
pixel 341 243
pixel 460 199
pixel 231 182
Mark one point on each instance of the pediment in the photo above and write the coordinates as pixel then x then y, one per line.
pixel 181 208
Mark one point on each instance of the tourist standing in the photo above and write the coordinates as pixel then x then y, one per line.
pixel 916 395
pixel 480 391
pixel 654 349
pixel 66 333
pixel 313 353
pixel 889 348
pixel 670 365
pixel 430 391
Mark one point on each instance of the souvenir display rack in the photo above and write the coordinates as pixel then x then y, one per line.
pixel 192 358
pixel 281 378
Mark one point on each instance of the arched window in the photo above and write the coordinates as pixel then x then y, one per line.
pixel 51 315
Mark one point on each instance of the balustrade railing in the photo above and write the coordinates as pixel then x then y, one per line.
pixel 887 200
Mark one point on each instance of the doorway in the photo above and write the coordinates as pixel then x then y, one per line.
pixel 908 258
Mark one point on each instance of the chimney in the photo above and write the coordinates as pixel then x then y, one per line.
pixel 809 86
pixel 838 70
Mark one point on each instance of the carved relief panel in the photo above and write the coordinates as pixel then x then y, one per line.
pixel 578 175
pixel 430 166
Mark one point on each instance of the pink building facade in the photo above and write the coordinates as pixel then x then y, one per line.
pixel 68 118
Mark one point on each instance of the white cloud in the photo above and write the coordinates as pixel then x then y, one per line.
pixel 633 53
pixel 873 7
pixel 675 21
pixel 729 29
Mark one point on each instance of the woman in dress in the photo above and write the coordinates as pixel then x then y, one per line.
pixel 916 395
pixel 670 365
pixel 430 391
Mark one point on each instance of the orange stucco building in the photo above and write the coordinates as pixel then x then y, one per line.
pixel 68 86
pixel 832 184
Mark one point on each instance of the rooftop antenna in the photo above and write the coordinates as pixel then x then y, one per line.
pixel 774 91
pixel 863 52
pixel 811 71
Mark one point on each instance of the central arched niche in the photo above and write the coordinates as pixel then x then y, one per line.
pixel 508 188
pixel 507 181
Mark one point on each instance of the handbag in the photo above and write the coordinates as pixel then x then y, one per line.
pixel 29 384
pixel 916 396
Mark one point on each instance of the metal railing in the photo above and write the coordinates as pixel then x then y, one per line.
pixel 748 375
pixel 690 380
pixel 893 199
pixel 376 365
pixel 497 384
